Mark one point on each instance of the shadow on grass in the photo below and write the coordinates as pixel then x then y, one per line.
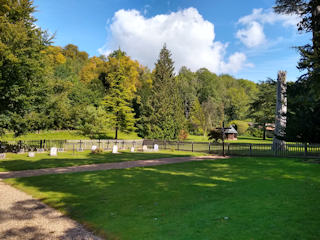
pixel 240 198
pixel 22 162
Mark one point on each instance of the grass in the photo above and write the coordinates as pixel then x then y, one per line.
pixel 241 139
pixel 16 162
pixel 65 135
pixel 238 198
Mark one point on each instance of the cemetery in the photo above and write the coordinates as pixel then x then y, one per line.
pixel 174 120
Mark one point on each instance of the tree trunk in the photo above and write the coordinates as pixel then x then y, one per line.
pixel 116 134
pixel 281 112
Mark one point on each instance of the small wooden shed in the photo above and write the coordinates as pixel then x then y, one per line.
pixel 231 133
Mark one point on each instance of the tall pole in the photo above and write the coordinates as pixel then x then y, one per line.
pixel 281 112
pixel 223 152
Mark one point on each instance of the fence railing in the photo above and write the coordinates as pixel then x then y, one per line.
pixel 242 149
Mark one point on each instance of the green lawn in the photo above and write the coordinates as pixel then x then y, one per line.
pixel 16 162
pixel 237 198
pixel 64 135
pixel 241 139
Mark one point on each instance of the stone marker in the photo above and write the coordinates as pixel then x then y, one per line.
pixel 115 149
pixel 144 148
pixel 21 151
pixel 93 148
pixel 132 149
pixel 156 148
pixel 53 151
pixel 2 155
pixel 31 154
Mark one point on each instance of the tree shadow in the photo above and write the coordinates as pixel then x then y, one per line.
pixel 24 219
pixel 169 201
pixel 45 161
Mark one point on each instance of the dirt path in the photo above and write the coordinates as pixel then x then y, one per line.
pixel 22 217
pixel 102 166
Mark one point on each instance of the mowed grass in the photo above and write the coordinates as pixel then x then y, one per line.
pixel 241 139
pixel 65 135
pixel 16 162
pixel 237 198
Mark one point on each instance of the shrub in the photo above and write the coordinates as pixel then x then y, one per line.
pixel 97 150
pixel 255 132
pixel 215 134
pixel 240 126
pixel 183 135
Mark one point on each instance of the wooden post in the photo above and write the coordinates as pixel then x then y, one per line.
pixel 209 147
pixel 192 146
pixel 178 145
pixel 250 149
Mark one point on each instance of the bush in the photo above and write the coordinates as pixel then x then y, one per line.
pixel 240 126
pixel 97 150
pixel 215 134
pixel 255 132
pixel 183 135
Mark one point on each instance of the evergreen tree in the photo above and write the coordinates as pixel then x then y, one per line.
pixel 304 95
pixel 120 79
pixel 22 85
pixel 166 116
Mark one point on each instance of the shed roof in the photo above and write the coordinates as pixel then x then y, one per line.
pixel 231 130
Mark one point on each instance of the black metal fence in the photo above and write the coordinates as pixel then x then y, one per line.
pixel 242 149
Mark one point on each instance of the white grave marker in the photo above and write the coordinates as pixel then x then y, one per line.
pixel 156 147
pixel 53 151
pixel 132 149
pixel 115 149
pixel 2 155
pixel 31 154
pixel 93 148
pixel 144 148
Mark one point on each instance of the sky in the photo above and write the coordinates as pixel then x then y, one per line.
pixel 245 39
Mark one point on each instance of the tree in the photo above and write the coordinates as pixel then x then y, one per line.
pixel 165 118
pixel 22 82
pixel 262 109
pixel 307 89
pixel 120 78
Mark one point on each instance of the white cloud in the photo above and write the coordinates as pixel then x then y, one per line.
pixel 252 35
pixel 188 36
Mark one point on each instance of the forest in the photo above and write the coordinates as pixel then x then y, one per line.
pixel 44 86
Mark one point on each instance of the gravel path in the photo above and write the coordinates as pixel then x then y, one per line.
pixel 102 166
pixel 22 217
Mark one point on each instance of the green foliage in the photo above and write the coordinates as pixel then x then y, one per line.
pixel 215 134
pixel 165 115
pixel 304 94
pixel 22 85
pixel 93 121
pixel 240 126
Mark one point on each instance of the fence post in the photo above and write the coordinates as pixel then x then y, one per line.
pixel 250 149
pixel 178 145
pixel 99 143
pixel 209 147
pixel 228 148
pixel 192 146
pixel 305 149
pixel 165 145
pixel 80 144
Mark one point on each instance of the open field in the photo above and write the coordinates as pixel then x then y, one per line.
pixel 64 135
pixel 237 198
pixel 241 139
pixel 16 162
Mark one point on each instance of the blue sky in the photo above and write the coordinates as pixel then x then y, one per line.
pixel 242 38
